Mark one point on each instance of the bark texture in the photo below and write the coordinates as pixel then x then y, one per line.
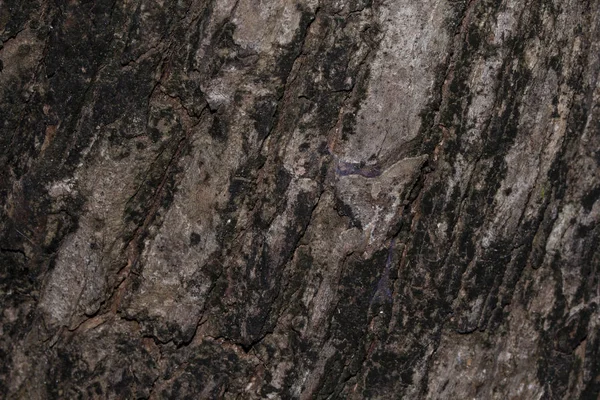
pixel 310 199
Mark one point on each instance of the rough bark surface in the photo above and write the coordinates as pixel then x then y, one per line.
pixel 310 199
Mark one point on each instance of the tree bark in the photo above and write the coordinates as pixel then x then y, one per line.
pixel 308 199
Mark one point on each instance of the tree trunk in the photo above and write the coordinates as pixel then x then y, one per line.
pixel 300 199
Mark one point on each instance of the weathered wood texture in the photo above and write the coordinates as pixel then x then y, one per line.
pixel 300 199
